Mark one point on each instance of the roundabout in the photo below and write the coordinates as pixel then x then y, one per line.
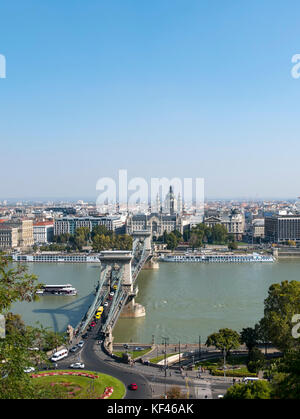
pixel 78 384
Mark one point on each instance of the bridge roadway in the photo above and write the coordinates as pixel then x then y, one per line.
pixel 119 273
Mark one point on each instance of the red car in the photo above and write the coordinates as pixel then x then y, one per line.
pixel 133 386
pixel 93 324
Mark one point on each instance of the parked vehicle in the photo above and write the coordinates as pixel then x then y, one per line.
pixel 29 369
pixel 80 344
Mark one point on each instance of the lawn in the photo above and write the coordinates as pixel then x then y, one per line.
pixel 235 366
pixel 160 358
pixel 76 387
pixel 134 354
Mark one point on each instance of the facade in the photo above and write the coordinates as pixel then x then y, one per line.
pixel 257 228
pixel 234 223
pixel 8 237
pixel 43 231
pixel 70 224
pixel 157 223
pixel 25 231
pixel 281 228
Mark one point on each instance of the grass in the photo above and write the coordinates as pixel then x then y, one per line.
pixel 215 365
pixel 160 358
pixel 83 386
pixel 135 354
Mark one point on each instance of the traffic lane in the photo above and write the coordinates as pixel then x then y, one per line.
pixel 93 362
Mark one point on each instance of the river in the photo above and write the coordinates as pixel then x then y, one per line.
pixel 183 301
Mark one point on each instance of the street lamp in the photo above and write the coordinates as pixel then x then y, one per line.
pixel 165 343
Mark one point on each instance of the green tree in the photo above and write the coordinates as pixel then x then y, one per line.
pixel 172 241
pixel 256 360
pixel 15 284
pixel 250 337
pixel 225 340
pixel 219 234
pixel 286 382
pixel 282 303
pixel 255 390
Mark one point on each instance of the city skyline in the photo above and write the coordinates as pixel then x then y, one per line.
pixel 165 88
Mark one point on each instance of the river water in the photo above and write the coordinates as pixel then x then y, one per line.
pixel 183 300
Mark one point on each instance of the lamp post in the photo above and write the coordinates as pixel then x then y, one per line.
pixel 224 353
pixel 165 343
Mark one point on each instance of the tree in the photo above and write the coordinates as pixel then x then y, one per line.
pixel 15 354
pixel 219 234
pixel 256 360
pixel 255 390
pixel 225 340
pixel 282 303
pixel 232 245
pixel 175 393
pixel 172 241
pixel 100 229
pixel 287 382
pixel 15 285
pixel 250 337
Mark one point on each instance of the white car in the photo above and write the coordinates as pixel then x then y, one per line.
pixel 111 294
pixel 29 369
pixel 77 365
pixel 80 344
pixel 105 304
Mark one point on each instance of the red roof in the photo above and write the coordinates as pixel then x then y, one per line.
pixel 43 223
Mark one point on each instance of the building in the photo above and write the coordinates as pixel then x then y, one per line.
pixel 157 223
pixel 71 224
pixel 257 228
pixel 25 231
pixel 9 237
pixel 234 223
pixel 43 231
pixel 282 228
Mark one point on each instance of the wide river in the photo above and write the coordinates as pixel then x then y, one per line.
pixel 183 301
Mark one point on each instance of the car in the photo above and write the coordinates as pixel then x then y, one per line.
pixel 77 365
pixel 29 369
pixel 74 349
pixel 85 335
pixel 93 324
pixel 111 294
pixel 125 346
pixel 98 315
pixel 138 348
pixel 105 304
pixel 80 344
pixel 133 386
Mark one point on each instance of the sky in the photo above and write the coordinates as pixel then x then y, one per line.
pixel 160 88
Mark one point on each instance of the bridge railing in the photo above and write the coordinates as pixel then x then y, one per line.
pixel 118 294
pixel 100 295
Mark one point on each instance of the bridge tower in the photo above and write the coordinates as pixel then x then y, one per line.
pixel 146 237
pixel 121 259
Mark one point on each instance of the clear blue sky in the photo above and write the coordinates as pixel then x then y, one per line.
pixel 186 88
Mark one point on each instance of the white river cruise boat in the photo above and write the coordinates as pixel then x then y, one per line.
pixel 218 258
pixel 56 258
pixel 66 289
